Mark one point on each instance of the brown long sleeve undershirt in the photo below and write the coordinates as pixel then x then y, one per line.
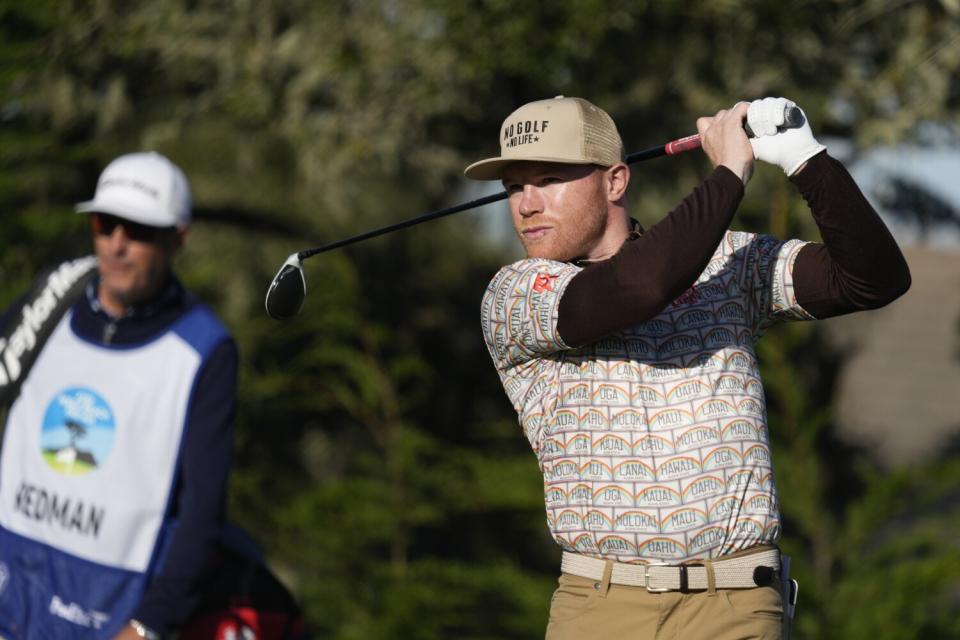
pixel 859 265
pixel 650 272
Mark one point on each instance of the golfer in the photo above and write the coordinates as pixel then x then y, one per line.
pixel 629 356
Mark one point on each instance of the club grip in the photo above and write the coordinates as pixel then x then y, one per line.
pixel 792 119
pixel 681 145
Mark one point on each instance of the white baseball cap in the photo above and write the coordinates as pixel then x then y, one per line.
pixel 565 130
pixel 142 187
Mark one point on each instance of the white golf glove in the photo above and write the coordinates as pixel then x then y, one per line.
pixel 788 149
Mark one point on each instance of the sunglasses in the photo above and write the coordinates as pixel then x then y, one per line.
pixel 104 224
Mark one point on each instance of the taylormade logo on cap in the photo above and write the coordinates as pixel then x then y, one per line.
pixel 143 187
pixel 567 130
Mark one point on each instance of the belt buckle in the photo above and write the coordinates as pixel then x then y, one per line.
pixel 646 577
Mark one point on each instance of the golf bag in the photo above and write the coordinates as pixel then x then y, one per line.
pixel 243 599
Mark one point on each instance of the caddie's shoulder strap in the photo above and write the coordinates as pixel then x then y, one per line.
pixel 29 325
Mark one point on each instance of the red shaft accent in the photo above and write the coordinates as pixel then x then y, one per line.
pixel 682 144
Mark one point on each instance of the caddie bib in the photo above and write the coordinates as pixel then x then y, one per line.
pixel 88 462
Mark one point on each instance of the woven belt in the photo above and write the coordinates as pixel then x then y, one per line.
pixel 737 572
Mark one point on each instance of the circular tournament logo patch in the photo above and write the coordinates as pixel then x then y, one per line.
pixel 78 432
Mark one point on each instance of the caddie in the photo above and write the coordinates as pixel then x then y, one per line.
pixel 117 445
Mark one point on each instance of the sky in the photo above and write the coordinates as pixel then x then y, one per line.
pixel 934 168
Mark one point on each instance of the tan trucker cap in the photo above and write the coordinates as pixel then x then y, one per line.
pixel 567 130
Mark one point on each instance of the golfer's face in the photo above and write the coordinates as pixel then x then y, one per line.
pixel 559 210
pixel 133 260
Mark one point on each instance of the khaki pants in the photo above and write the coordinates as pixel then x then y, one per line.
pixel 584 609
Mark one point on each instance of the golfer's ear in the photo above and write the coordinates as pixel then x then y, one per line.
pixel 617 178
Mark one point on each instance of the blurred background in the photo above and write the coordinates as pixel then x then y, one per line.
pixel 378 463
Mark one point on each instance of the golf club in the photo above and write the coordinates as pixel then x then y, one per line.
pixel 287 290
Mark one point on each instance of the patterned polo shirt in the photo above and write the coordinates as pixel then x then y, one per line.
pixel 653 442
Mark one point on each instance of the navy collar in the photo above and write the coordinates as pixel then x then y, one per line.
pixel 171 295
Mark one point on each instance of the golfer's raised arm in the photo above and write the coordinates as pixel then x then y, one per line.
pixel 859 265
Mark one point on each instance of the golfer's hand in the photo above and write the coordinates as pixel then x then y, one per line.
pixel 788 149
pixel 725 142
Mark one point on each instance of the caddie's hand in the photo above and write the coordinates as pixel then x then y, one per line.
pixel 788 149
pixel 127 633
pixel 725 142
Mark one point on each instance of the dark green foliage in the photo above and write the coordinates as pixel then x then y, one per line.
pixel 377 460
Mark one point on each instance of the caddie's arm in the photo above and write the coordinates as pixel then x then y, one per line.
pixel 652 271
pixel 859 265
pixel 178 586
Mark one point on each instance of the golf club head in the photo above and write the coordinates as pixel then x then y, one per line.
pixel 287 290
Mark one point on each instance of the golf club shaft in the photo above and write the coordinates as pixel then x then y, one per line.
pixel 433 215
pixel 671 148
